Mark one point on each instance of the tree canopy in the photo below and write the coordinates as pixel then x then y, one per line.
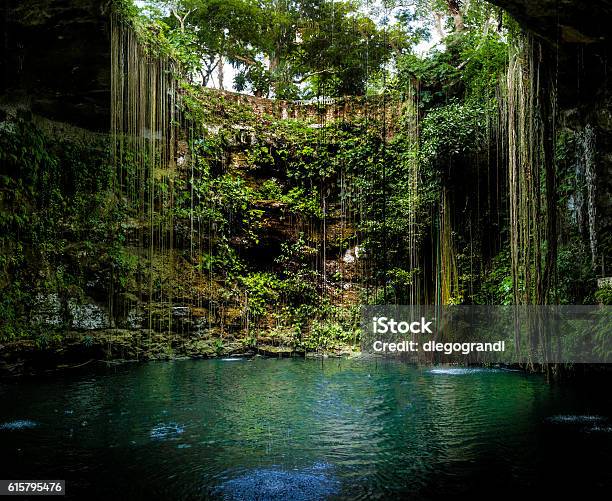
pixel 285 48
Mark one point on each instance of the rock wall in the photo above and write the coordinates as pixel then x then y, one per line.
pixel 56 65
pixel 55 60
pixel 577 43
pixel 318 111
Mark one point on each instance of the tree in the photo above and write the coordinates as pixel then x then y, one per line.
pixel 282 47
pixel 341 47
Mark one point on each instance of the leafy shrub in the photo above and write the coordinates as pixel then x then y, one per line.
pixel 261 288
pixel 604 295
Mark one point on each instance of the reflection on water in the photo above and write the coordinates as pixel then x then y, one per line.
pixel 19 424
pixel 310 484
pixel 166 431
pixel 460 371
pixel 576 419
pixel 304 429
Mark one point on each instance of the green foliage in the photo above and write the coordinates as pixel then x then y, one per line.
pixel 270 190
pixel 452 130
pixel 485 57
pixel 575 281
pixel 261 289
pixel 299 201
pixel 469 65
pixel 293 37
pixel 328 334
pixel 604 295
pixel 496 287
pixel 44 339
pixel 12 311
pixel 218 346
pixel 250 341
pixel 260 157
pixel 57 217
pixel 297 284
pixel 303 203
pixel 223 261
pixel 124 8
pixel 433 74
pixel 124 264
pixel 64 224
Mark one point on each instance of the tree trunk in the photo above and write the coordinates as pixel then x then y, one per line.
pixel 274 62
pixel 220 72
pixel 438 24
pixel 455 11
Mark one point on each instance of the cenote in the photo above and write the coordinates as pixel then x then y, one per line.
pixel 304 429
pixel 200 201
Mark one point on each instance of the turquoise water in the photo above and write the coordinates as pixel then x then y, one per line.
pixel 305 429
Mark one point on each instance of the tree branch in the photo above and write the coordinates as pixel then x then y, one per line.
pixel 306 77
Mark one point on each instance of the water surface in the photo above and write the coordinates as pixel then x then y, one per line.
pixel 305 429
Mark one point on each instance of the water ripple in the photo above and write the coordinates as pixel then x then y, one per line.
pixel 271 484
pixel 575 419
pixel 300 429
pixel 460 371
pixel 166 431
pixel 19 424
